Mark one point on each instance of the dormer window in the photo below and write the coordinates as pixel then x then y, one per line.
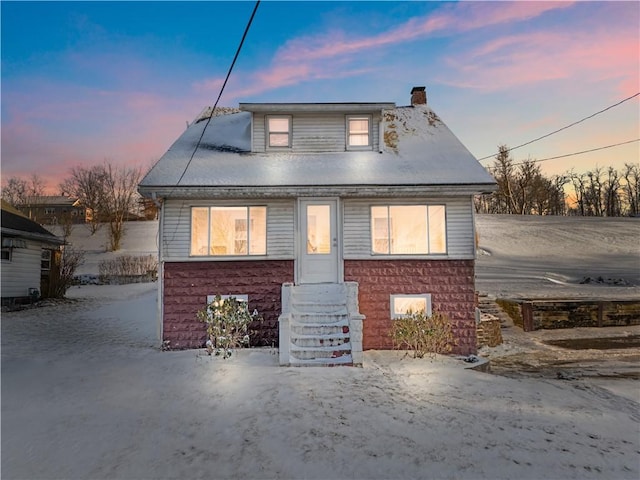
pixel 279 131
pixel 358 132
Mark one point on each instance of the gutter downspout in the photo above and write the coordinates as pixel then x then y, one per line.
pixel 160 307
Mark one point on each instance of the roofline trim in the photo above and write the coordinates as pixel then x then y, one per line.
pixel 315 107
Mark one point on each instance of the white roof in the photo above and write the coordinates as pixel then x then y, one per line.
pixel 421 152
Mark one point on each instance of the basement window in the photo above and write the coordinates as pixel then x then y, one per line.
pixel 229 231
pixel 239 297
pixel 402 305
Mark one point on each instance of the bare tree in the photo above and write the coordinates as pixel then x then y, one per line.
pixel 88 185
pixel 503 172
pixel 611 194
pixel 15 191
pixel 120 198
pixel 631 188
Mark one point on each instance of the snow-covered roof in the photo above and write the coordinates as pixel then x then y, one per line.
pixel 15 224
pixel 52 200
pixel 417 149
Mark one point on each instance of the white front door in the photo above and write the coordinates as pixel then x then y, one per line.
pixel 318 257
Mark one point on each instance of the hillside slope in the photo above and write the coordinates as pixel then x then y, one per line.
pixel 532 256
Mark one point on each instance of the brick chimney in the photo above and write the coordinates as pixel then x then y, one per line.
pixel 418 96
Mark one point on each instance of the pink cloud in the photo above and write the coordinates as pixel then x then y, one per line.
pixel 462 17
pixel 531 58
pixel 51 132
pixel 335 54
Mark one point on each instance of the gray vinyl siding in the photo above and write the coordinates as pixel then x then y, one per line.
pixel 23 271
pixel 459 218
pixel 313 133
pixel 176 228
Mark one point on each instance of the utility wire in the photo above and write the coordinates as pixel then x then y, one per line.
pixel 564 128
pixel 213 109
pixel 579 153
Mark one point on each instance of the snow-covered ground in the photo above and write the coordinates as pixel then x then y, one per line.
pixel 547 257
pixel 86 393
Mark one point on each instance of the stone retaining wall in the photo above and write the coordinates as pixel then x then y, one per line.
pixel 550 314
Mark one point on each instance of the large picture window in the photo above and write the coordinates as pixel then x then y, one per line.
pixel 408 229
pixel 279 132
pixel 217 231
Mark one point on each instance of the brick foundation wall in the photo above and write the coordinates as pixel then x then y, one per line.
pixel 187 284
pixel 450 283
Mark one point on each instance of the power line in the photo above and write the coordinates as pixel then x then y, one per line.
pixel 213 109
pixel 579 153
pixel 565 127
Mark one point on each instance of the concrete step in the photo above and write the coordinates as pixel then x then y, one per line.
pixel 320 353
pixel 312 341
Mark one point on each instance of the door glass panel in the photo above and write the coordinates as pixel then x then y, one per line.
pixel 318 229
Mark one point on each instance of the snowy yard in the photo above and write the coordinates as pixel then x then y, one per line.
pixel 85 394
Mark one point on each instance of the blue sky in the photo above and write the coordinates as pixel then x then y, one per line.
pixel 87 81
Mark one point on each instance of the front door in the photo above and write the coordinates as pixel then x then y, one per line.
pixel 318 257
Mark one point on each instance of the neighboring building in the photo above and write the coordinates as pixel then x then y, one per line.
pixel 330 219
pixel 30 257
pixel 55 209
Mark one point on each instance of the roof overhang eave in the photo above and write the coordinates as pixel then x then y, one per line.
pixel 194 192
pixel 51 239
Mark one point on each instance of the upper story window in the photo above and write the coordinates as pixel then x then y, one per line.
pixel 408 229
pixel 221 231
pixel 358 132
pixel 278 131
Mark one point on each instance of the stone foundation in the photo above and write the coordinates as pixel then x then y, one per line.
pixel 450 283
pixel 187 284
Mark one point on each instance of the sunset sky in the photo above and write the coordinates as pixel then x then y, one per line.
pixel 87 81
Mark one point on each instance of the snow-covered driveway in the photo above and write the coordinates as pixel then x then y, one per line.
pixel 85 394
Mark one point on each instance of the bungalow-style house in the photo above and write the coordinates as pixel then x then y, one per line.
pixel 330 219
pixel 56 209
pixel 30 257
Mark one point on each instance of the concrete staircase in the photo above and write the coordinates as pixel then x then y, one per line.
pixel 320 325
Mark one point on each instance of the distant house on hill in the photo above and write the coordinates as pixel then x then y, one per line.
pixel 330 219
pixel 30 257
pixel 55 209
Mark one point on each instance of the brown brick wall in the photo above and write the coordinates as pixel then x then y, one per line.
pixel 187 284
pixel 450 283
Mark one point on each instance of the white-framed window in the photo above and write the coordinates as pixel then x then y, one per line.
pixel 222 231
pixel 408 229
pixel 6 254
pixel 279 131
pixel 240 297
pixel 358 132
pixel 401 305
pixel 45 260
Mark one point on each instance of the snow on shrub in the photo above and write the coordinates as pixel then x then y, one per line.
pixel 423 334
pixel 227 321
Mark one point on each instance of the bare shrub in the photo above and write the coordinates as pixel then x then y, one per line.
pixel 128 266
pixel 422 334
pixel 70 260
